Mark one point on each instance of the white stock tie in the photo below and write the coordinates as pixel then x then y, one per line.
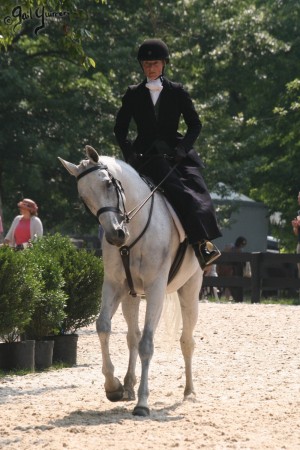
pixel 155 87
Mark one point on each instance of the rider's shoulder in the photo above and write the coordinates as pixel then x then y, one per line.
pixel 135 87
pixel 172 84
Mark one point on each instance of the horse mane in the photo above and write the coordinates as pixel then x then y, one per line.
pixel 122 171
pixel 117 165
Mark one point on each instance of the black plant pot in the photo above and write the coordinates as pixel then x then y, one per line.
pixel 22 355
pixel 65 348
pixel 5 363
pixel 43 354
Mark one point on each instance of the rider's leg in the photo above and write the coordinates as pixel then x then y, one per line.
pixel 186 190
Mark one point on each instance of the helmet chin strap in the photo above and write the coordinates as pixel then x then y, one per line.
pixel 161 78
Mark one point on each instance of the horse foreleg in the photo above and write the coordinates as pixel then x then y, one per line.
pixel 113 388
pixel 188 296
pixel 130 308
pixel 146 349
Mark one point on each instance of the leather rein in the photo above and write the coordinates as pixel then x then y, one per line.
pixel 125 249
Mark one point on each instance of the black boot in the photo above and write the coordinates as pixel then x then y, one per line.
pixel 206 253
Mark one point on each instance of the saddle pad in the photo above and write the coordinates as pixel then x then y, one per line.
pixel 176 221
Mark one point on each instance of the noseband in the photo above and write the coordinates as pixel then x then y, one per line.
pixel 118 187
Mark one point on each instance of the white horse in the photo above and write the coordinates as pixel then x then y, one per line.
pixel 110 188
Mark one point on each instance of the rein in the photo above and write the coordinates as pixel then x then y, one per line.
pixel 125 253
pixel 125 249
pixel 135 210
pixel 127 216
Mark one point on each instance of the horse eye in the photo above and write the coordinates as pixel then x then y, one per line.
pixel 108 183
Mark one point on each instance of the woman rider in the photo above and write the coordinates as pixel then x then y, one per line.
pixel 156 106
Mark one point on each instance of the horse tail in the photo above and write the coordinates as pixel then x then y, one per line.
pixel 171 321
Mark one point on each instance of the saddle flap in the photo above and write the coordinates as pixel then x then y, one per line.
pixel 179 227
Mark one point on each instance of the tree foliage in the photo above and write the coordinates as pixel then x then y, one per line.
pixel 61 88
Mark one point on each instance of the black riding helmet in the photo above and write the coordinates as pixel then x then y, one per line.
pixel 153 49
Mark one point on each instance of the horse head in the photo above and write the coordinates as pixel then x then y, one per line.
pixel 102 193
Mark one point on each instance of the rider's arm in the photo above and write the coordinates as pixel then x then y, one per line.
pixel 123 119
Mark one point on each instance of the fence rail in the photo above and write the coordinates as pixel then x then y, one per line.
pixel 269 271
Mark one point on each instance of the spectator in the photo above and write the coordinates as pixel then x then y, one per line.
pixel 210 271
pixel 296 230
pixel 234 269
pixel 25 227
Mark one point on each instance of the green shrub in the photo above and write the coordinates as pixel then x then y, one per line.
pixel 83 278
pixel 49 309
pixel 19 292
pixel 83 275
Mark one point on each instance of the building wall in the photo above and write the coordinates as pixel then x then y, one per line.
pixel 249 220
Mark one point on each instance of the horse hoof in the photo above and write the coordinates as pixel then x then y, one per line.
pixel 128 395
pixel 191 397
pixel 141 411
pixel 117 395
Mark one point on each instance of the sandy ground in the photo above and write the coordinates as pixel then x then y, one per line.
pixel 247 377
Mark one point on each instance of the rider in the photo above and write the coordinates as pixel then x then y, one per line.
pixel 156 106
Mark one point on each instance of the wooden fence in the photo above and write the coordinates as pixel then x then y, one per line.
pixel 270 271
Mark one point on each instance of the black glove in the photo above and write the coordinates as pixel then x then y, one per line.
pixel 132 159
pixel 180 153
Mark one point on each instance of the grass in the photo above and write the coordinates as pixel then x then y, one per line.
pixel 292 301
pixel 281 301
pixel 4 373
pixel 17 372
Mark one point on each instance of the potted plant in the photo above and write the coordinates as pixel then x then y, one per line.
pixel 83 278
pixel 19 292
pixel 49 309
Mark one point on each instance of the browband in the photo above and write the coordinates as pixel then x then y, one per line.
pixel 91 169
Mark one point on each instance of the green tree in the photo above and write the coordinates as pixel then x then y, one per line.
pixel 50 105
pixel 62 87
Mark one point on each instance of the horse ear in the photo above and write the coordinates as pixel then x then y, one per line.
pixel 71 168
pixel 91 153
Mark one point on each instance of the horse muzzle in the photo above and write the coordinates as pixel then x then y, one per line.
pixel 117 236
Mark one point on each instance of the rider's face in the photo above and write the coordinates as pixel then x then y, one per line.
pixel 153 69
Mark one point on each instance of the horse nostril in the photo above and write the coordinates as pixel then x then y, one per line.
pixel 121 233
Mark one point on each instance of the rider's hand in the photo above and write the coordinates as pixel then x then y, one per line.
pixel 180 153
pixel 132 159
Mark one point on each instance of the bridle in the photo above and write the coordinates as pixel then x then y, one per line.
pixel 120 195
pixel 119 190
pixel 125 249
